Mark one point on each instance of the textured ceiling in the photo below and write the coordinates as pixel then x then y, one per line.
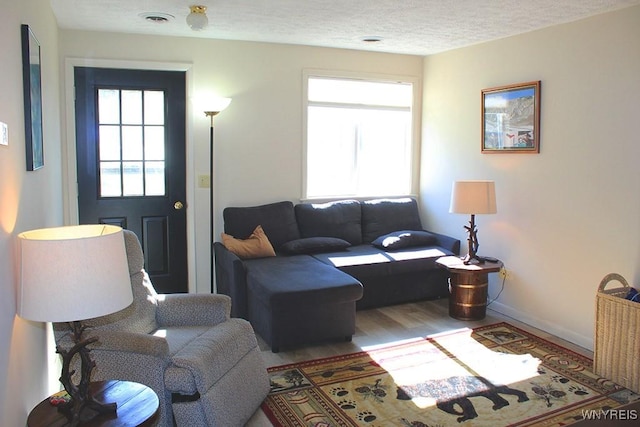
pixel 417 27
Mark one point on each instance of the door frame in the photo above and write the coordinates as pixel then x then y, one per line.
pixel 68 135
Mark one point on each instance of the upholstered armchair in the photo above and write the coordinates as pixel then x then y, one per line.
pixel 205 367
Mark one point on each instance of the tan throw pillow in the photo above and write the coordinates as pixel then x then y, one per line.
pixel 256 246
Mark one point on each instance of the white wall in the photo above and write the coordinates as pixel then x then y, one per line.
pixel 27 200
pixel 258 156
pixel 571 214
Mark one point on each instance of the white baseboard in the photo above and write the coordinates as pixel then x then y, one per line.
pixel 536 322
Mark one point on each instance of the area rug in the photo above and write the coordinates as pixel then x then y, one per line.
pixel 495 375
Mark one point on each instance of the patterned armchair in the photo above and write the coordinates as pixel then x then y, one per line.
pixel 205 367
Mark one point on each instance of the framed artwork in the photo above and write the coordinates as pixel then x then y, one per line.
pixel 511 118
pixel 31 80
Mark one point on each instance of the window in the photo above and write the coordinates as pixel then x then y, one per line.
pixel 359 138
pixel 131 142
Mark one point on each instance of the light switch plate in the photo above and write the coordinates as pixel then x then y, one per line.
pixel 4 134
pixel 204 181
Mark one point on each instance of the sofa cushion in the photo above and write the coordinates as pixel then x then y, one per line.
pixel 255 246
pixel 383 216
pixel 314 245
pixel 340 219
pixel 278 221
pixel 359 261
pixel 405 239
pixel 300 279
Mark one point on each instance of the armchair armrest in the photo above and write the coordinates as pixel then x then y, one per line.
pixel 130 342
pixel 448 242
pixel 192 309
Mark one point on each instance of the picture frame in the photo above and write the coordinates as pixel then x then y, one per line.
pixel 32 90
pixel 511 118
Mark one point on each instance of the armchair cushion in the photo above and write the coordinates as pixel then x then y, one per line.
pixel 209 356
pixel 192 309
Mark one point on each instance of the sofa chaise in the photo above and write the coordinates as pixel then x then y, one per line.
pixel 317 263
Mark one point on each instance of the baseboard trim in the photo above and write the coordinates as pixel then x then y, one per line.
pixel 536 322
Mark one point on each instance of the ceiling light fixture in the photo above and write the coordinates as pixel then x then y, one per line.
pixel 197 19
pixel 372 39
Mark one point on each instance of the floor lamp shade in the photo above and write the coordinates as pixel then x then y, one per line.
pixel 473 197
pixel 73 273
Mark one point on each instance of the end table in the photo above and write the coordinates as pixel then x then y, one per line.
pixel 138 405
pixel 468 287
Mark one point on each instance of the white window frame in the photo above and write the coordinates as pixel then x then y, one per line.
pixel 415 123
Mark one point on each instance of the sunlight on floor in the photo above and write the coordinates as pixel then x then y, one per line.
pixel 450 361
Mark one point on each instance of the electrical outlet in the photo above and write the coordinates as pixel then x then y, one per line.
pixel 504 273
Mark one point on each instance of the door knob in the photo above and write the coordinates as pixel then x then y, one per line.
pixel 178 205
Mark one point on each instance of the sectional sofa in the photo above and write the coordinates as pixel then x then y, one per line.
pixel 309 266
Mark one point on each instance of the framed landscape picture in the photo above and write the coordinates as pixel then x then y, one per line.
pixel 31 80
pixel 511 118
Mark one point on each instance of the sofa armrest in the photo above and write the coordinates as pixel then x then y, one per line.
pixel 192 309
pixel 231 279
pixel 447 242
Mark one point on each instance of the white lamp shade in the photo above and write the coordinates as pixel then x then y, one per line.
pixel 216 105
pixel 73 273
pixel 473 197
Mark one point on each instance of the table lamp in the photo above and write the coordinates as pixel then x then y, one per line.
pixel 473 197
pixel 70 274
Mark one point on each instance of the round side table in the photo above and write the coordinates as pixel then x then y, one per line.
pixel 468 287
pixel 138 405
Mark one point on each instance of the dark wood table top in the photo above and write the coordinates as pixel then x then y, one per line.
pixel 138 405
pixel 454 263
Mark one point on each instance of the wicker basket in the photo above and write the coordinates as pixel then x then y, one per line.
pixel 617 340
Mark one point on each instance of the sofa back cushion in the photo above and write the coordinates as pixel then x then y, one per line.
pixel 340 219
pixel 278 221
pixel 383 216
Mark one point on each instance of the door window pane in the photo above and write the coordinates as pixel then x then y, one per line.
pixel 154 142
pixel 154 178
pixel 109 142
pixel 108 106
pixel 132 180
pixel 154 107
pixel 132 107
pixel 110 179
pixel 131 142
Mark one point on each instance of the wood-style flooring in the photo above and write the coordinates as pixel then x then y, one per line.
pixel 380 326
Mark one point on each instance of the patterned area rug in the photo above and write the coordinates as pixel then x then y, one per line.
pixel 496 375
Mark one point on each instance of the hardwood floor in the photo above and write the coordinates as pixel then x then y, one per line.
pixel 381 326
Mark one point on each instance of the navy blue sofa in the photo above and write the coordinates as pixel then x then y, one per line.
pixel 331 259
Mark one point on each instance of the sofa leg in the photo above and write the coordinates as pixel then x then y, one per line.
pixel 275 349
pixel 348 338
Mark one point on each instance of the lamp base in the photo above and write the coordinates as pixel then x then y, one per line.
pixel 472 259
pixel 78 412
pixel 81 407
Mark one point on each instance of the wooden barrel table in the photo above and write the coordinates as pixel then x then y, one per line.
pixel 468 287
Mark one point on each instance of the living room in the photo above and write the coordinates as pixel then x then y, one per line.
pixel 566 216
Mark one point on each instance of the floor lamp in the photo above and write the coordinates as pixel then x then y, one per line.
pixel 216 107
